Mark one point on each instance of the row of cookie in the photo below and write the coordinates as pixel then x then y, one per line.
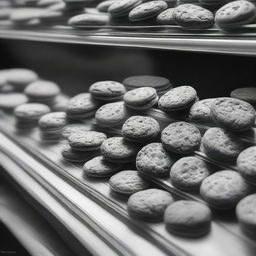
pixel 189 16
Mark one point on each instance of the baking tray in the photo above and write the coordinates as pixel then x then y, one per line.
pixel 225 237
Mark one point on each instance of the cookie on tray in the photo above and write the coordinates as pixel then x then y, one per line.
pixel 75 128
pixel 9 101
pixel 140 129
pixel 224 189
pixel 181 138
pixel 121 8
pixel 247 94
pixel 149 204
pixel 166 17
pixel 188 218
pixel 87 19
pixel 128 182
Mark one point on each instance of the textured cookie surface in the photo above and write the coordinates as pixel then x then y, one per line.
pixel 233 114
pixel 121 8
pixel 140 129
pixel 89 140
pixel 246 163
pixel 75 128
pixel 116 149
pixel 201 111
pixel 149 204
pixel 153 159
pixel 147 10
pixel 235 13
pixel 193 17
pixel 31 110
pixel 166 17
pixel 88 19
pixel 128 182
pixel 181 138
pixel 224 189
pixel 177 98
pixel 53 120
pixel 247 94
pixel 189 172
pixel 221 145
pixel 187 218
pixel 99 167
pixel 111 114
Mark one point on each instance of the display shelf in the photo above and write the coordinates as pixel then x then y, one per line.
pixel 211 41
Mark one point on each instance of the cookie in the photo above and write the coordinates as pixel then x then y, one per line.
pixel 188 173
pixel 42 92
pixel 98 167
pixel 88 19
pixel 23 15
pixel 233 114
pixel 128 182
pixel 178 98
pixel 247 94
pixel 221 145
pixel 140 129
pixel 117 150
pixel 187 218
pixel 11 100
pixel 111 114
pixel 73 156
pixel 107 91
pixel 166 17
pixel 103 6
pixel 27 115
pixel 200 112
pixel 154 160
pixel 82 106
pixel 86 141
pixel 121 8
pixel 19 78
pixel 51 125
pixel 147 10
pixel 190 16
pixel 181 138
pixel 246 163
pixel 149 204
pixel 246 215
pixel 141 98
pixel 224 189
pixel 71 129
pixel 161 84
pixel 235 14
pixel 60 103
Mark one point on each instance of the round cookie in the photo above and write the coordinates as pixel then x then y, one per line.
pixel 42 91
pixel 181 138
pixel 12 100
pixel 98 167
pixel 103 6
pixel 187 218
pixel 60 103
pixel 149 204
pixel 88 19
pixel 224 189
pixel 77 156
pixel 117 150
pixel 201 111
pixel 141 98
pixel 75 128
pixel 192 16
pixel 128 182
pixel 121 8
pixel 111 114
pixel 81 106
pixel 246 163
pixel 246 214
pixel 166 17
pixel 247 94
pixel 233 114
pixel 159 83
pixel 221 145
pixel 140 129
pixel 178 98
pixel 86 141
pixel 235 14
pixel 147 10
pixel 27 115
pixel 188 173
pixel 107 91
pixel 154 160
